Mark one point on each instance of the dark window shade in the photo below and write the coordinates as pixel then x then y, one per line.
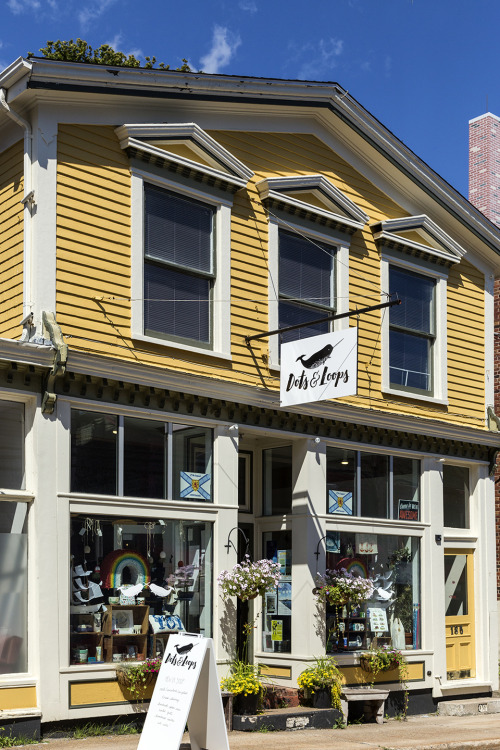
pixel 410 360
pixel 416 310
pixel 291 314
pixel 176 303
pixel 178 230
pixel 305 270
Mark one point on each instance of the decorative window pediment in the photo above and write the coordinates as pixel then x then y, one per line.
pixel 418 237
pixel 327 206
pixel 187 150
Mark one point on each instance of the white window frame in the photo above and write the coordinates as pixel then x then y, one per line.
pixel 439 394
pixel 220 346
pixel 340 243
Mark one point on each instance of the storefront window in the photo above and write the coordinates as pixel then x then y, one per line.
pixel 12 445
pixel 372 485
pixel 13 588
pixel 392 615
pixel 134 582
pixel 115 455
pixel 277 612
pixel 277 470
pixel 456 496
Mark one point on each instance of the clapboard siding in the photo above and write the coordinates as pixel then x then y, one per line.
pixel 11 241
pixel 93 262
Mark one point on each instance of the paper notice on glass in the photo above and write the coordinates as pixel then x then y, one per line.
pixel 378 619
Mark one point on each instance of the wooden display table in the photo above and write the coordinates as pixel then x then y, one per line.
pixel 373 700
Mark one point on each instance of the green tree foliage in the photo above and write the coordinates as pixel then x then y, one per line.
pixel 81 52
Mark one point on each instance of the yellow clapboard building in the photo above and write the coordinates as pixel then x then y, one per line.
pixel 161 233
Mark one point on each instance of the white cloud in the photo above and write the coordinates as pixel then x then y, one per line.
pixel 224 45
pixel 388 65
pixel 321 57
pixel 92 12
pixel 22 6
pixel 248 5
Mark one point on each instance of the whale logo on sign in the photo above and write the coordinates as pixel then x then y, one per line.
pixel 317 359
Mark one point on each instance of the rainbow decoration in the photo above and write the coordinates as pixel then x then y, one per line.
pixel 353 566
pixel 116 562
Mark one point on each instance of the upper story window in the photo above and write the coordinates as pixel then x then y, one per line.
pixel 179 267
pixel 115 455
pixel 412 331
pixel 183 182
pixel 306 284
pixel 372 485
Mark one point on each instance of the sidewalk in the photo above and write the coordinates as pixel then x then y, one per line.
pixel 427 732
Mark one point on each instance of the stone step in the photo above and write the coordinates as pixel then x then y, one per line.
pixel 469 706
pixel 289 719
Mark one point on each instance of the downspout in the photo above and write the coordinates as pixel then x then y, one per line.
pixel 28 202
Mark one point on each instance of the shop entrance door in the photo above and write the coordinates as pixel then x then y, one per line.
pixel 459 614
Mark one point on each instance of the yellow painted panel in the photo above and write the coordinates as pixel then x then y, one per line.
pixel 11 240
pixel 183 150
pixel 357 676
pixel 101 692
pixel 275 671
pixel 17 697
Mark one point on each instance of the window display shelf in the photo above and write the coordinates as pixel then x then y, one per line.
pixel 131 643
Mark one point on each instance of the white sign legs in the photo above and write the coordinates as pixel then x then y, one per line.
pixel 187 691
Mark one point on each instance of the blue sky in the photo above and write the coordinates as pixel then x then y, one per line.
pixel 422 67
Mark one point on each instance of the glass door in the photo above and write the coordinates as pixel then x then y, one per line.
pixel 459 614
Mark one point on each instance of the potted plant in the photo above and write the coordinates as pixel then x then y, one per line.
pixel 322 680
pixel 384 659
pixel 245 683
pixel 339 587
pixel 248 579
pixel 181 579
pixel 136 677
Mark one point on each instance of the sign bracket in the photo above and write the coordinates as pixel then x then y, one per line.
pixel 359 311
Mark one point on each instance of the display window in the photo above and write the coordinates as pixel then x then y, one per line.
pixel 277 609
pixel 277 476
pixel 456 497
pixel 372 485
pixel 12 445
pixel 13 587
pixel 115 455
pixel 135 581
pixel 388 611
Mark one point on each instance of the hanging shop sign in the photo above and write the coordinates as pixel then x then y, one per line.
pixel 319 367
pixel 186 692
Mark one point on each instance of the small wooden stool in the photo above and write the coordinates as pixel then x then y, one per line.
pixel 227 705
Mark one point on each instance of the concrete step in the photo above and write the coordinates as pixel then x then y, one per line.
pixel 470 706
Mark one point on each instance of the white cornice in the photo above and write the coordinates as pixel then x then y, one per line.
pixel 396 241
pixel 156 377
pixel 14 72
pixel 26 353
pixel 310 183
pixel 161 157
pixel 428 226
pixel 185 131
pixel 306 210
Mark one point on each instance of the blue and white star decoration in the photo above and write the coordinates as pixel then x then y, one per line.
pixel 340 502
pixel 192 485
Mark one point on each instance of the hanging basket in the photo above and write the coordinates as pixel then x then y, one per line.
pixel 123 678
pixel 365 664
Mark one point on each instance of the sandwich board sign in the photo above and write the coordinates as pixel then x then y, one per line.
pixel 187 691
pixel 319 367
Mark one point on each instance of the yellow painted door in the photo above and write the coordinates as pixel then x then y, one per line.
pixel 459 613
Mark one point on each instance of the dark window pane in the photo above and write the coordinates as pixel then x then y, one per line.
pixel 93 452
pixel 456 496
pixel 374 485
pixel 341 481
pixel 176 303
pixel 305 269
pixel 192 463
pixel 406 488
pixel 11 445
pixel 416 293
pixel 410 360
pixel 277 603
pixel 177 229
pixel 144 458
pixel 277 480
pixel 290 314
pixel 455 587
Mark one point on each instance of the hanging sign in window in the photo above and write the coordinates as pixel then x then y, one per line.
pixel 408 510
pixel 319 367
